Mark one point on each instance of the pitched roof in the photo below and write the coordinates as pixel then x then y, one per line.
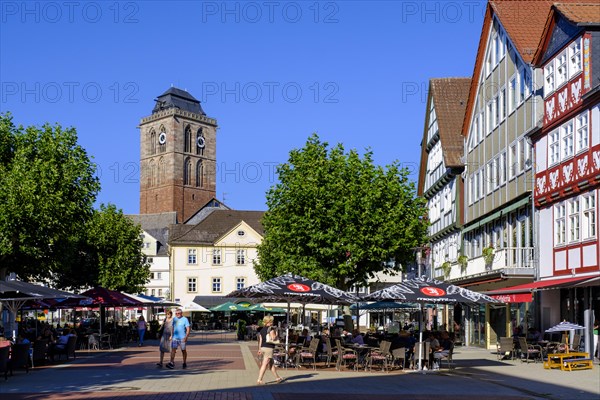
pixel 215 225
pixel 177 98
pixel 154 221
pixel 450 101
pixel 580 13
pixel 524 22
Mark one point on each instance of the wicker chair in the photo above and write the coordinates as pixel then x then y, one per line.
pixel 309 353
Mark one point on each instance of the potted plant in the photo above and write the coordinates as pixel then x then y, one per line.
pixel 488 255
pixel 463 261
pixel 446 268
pixel 241 329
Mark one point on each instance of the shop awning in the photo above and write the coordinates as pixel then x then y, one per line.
pixel 522 293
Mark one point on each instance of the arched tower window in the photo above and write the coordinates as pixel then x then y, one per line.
pixel 162 139
pixel 152 142
pixel 152 173
pixel 187 142
pixel 199 174
pixel 187 171
pixel 200 142
pixel 162 171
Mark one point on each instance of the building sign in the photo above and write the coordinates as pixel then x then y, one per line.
pixel 568 174
pixel 513 297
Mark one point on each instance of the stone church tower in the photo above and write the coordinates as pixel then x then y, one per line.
pixel 177 156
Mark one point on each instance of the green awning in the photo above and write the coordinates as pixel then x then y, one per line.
pixel 497 214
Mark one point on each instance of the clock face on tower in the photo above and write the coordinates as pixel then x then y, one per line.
pixel 162 138
pixel 201 143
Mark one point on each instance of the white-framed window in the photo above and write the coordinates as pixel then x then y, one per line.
pixel 495 173
pixel 566 134
pixel 588 228
pixel 151 275
pixel 513 163
pixel 477 129
pixel 159 275
pixel 560 226
pixel 216 256
pixel 582 132
pixel 489 60
pixel 240 257
pixel 574 219
pixel 481 179
pixel 561 74
pixel 159 292
pixel 489 184
pixel 192 284
pixel 191 258
pixel 489 117
pixel 216 285
pixel 470 189
pixel 150 260
pixel 502 167
pixel 549 78
pixel 501 105
pixel 524 155
pixel 153 292
pixel 513 100
pixel 240 283
pixel 554 146
pixel 574 58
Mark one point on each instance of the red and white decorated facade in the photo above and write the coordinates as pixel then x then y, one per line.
pixel 567 161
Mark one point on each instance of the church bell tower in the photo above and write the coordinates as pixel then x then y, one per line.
pixel 177 156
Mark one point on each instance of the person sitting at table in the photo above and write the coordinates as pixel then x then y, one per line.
pixel 445 344
pixel 60 344
pixel 357 338
pixel 534 335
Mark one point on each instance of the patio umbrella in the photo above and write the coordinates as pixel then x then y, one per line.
pixel 565 326
pixel 263 308
pixel 424 291
pixel 194 307
pixel 14 294
pixel 293 288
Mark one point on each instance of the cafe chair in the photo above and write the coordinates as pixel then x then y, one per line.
pixel 380 355
pixel 505 347
pixel 529 351
pixel 4 367
pixel 345 356
pixel 20 357
pixel 309 353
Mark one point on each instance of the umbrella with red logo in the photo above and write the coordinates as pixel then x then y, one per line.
pixel 295 289
pixel 424 291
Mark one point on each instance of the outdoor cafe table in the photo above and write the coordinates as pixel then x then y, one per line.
pixel 363 351
pixel 555 360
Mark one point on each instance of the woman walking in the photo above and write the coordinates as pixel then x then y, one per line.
pixel 165 337
pixel 141 328
pixel 266 349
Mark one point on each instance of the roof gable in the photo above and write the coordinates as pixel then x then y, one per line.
pixel 232 237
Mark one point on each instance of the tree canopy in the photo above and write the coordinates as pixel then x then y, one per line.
pixel 338 218
pixel 49 230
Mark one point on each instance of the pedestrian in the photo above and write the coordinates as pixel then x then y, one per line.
pixel 266 347
pixel 141 328
pixel 596 348
pixel 166 331
pixel 181 331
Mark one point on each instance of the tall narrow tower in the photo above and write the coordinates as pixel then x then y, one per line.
pixel 177 156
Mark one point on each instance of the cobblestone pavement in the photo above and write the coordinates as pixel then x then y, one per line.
pixel 221 368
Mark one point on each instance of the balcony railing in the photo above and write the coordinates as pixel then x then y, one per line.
pixel 508 257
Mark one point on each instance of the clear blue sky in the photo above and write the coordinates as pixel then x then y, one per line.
pixel 271 73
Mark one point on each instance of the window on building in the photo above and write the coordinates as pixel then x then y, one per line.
pixel 470 189
pixel 574 58
pixel 153 292
pixel 512 94
pixel 560 71
pixel 581 127
pixel 240 257
pixel 216 285
pixel 192 256
pixel 548 78
pixel 502 104
pixel 513 161
pixel 502 168
pixel 554 147
pixel 489 175
pixel 159 292
pixel 199 174
pixel 151 275
pixel 574 219
pixel 152 142
pixel 560 226
pixel 489 117
pixel 589 216
pixel 216 257
pixel 567 139
pixel 192 285
pixel 150 260
pixel 187 142
pixel 159 275
pixel 187 171
pixel 240 283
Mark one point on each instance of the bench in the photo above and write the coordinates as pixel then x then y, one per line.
pixel 572 364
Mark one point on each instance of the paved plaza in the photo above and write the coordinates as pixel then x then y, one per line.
pixel 220 367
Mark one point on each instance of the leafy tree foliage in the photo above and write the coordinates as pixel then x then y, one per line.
pixel 337 218
pixel 109 254
pixel 49 230
pixel 47 191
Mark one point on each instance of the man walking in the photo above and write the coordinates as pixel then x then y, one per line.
pixel 181 331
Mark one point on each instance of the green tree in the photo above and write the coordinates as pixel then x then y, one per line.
pixel 108 255
pixel 47 191
pixel 337 218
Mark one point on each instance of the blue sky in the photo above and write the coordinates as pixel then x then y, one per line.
pixel 270 72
